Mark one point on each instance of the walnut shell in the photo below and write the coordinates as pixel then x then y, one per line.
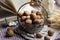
pixel 51 32
pixel 33 16
pixel 46 38
pixel 29 21
pixel 10 33
pixel 23 18
pixel 37 21
pixel 42 21
pixel 39 35
pixel 38 17
pixel 28 17
pixel 10 28
pixel 39 13
pixel 26 13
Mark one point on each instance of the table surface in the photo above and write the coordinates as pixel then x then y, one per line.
pixel 17 37
pixel 3 33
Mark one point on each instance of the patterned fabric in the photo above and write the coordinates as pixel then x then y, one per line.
pixel 58 37
pixel 3 33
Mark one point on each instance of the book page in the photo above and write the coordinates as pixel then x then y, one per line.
pixel 14 4
pixel 11 5
pixel 18 3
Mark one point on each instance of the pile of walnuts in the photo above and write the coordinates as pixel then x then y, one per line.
pixel 31 18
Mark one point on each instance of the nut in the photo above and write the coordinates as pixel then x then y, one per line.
pixel 9 32
pixel 42 21
pixel 46 38
pixel 33 16
pixel 39 13
pixel 10 28
pixel 28 17
pixel 23 18
pixel 51 32
pixel 26 13
pixel 29 21
pixel 37 21
pixel 38 16
pixel 39 35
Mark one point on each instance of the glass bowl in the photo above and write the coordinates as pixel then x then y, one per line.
pixel 31 28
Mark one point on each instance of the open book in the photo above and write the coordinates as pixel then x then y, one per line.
pixel 11 5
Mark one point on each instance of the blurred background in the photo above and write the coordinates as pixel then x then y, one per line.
pixel 4 13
